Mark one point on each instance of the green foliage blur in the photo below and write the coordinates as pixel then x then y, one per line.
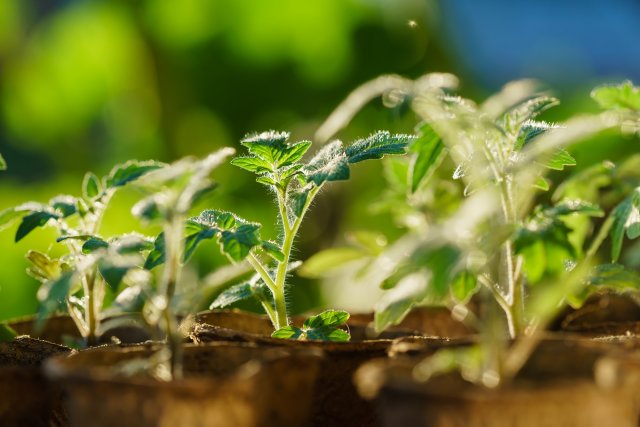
pixel 88 84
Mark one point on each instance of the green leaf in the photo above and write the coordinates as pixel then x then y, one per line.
pixel 266 181
pixel 523 112
pixel 7 333
pixel 52 295
pixel 218 219
pixel 132 243
pixel 43 268
pixel 542 184
pixel 396 303
pixel 238 243
pixel 113 273
pixel 156 255
pixel 233 294
pixel 65 205
pixel 32 221
pixel 299 201
pixel 193 240
pixel 288 332
pixel 289 172
pixel 377 146
pixel 130 171
pixel 329 164
pixel 269 145
pixel 91 185
pixel 559 160
pixel 530 130
pixel 429 152
pixel 147 209
pixel 622 96
pixel 7 216
pixel 293 153
pixel 93 244
pixel 324 262
pixel 273 250
pixel 614 277
pixel 464 286
pixel 328 318
pixel 253 164
pixel 328 334
pixel 626 218
pixel 3 163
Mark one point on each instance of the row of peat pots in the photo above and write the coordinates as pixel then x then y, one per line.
pixel 237 375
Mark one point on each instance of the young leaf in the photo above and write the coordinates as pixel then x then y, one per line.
pixel 91 186
pixel 464 286
pixel 329 164
pixel 130 171
pixel 377 146
pixel 194 239
pixel 113 273
pixel 93 244
pixel 253 164
pixel 156 255
pixel 52 294
pixel 527 110
pixel 299 200
pixel 626 218
pixel 328 318
pixel 288 332
pixel 559 160
pixel 397 302
pixel 270 182
pixel 132 244
pixel 615 277
pixel 269 145
pixel 147 209
pixel 328 334
pixel 238 243
pixel 622 96
pixel 233 294
pixel 219 219
pixel 429 152
pixel 65 205
pixel 43 268
pixel 293 153
pixel 273 250
pixel 32 221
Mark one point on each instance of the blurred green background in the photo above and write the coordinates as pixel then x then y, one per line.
pixel 87 84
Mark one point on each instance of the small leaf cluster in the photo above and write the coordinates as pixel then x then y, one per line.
pixel 75 280
pixel 325 326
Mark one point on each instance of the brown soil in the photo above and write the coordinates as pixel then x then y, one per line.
pixel 225 385
pixel 26 397
pixel 336 401
pixel 565 383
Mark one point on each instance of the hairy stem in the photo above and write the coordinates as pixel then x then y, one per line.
pixel 173 231
pixel 281 273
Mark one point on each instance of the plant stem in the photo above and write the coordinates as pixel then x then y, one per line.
pixel 173 244
pixel 515 293
pixel 281 272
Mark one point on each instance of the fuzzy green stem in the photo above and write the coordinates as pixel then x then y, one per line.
pixel 173 244
pixel 281 272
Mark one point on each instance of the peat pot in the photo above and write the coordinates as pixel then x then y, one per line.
pixel 225 384
pixel 26 397
pixel 567 382
pixel 335 399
